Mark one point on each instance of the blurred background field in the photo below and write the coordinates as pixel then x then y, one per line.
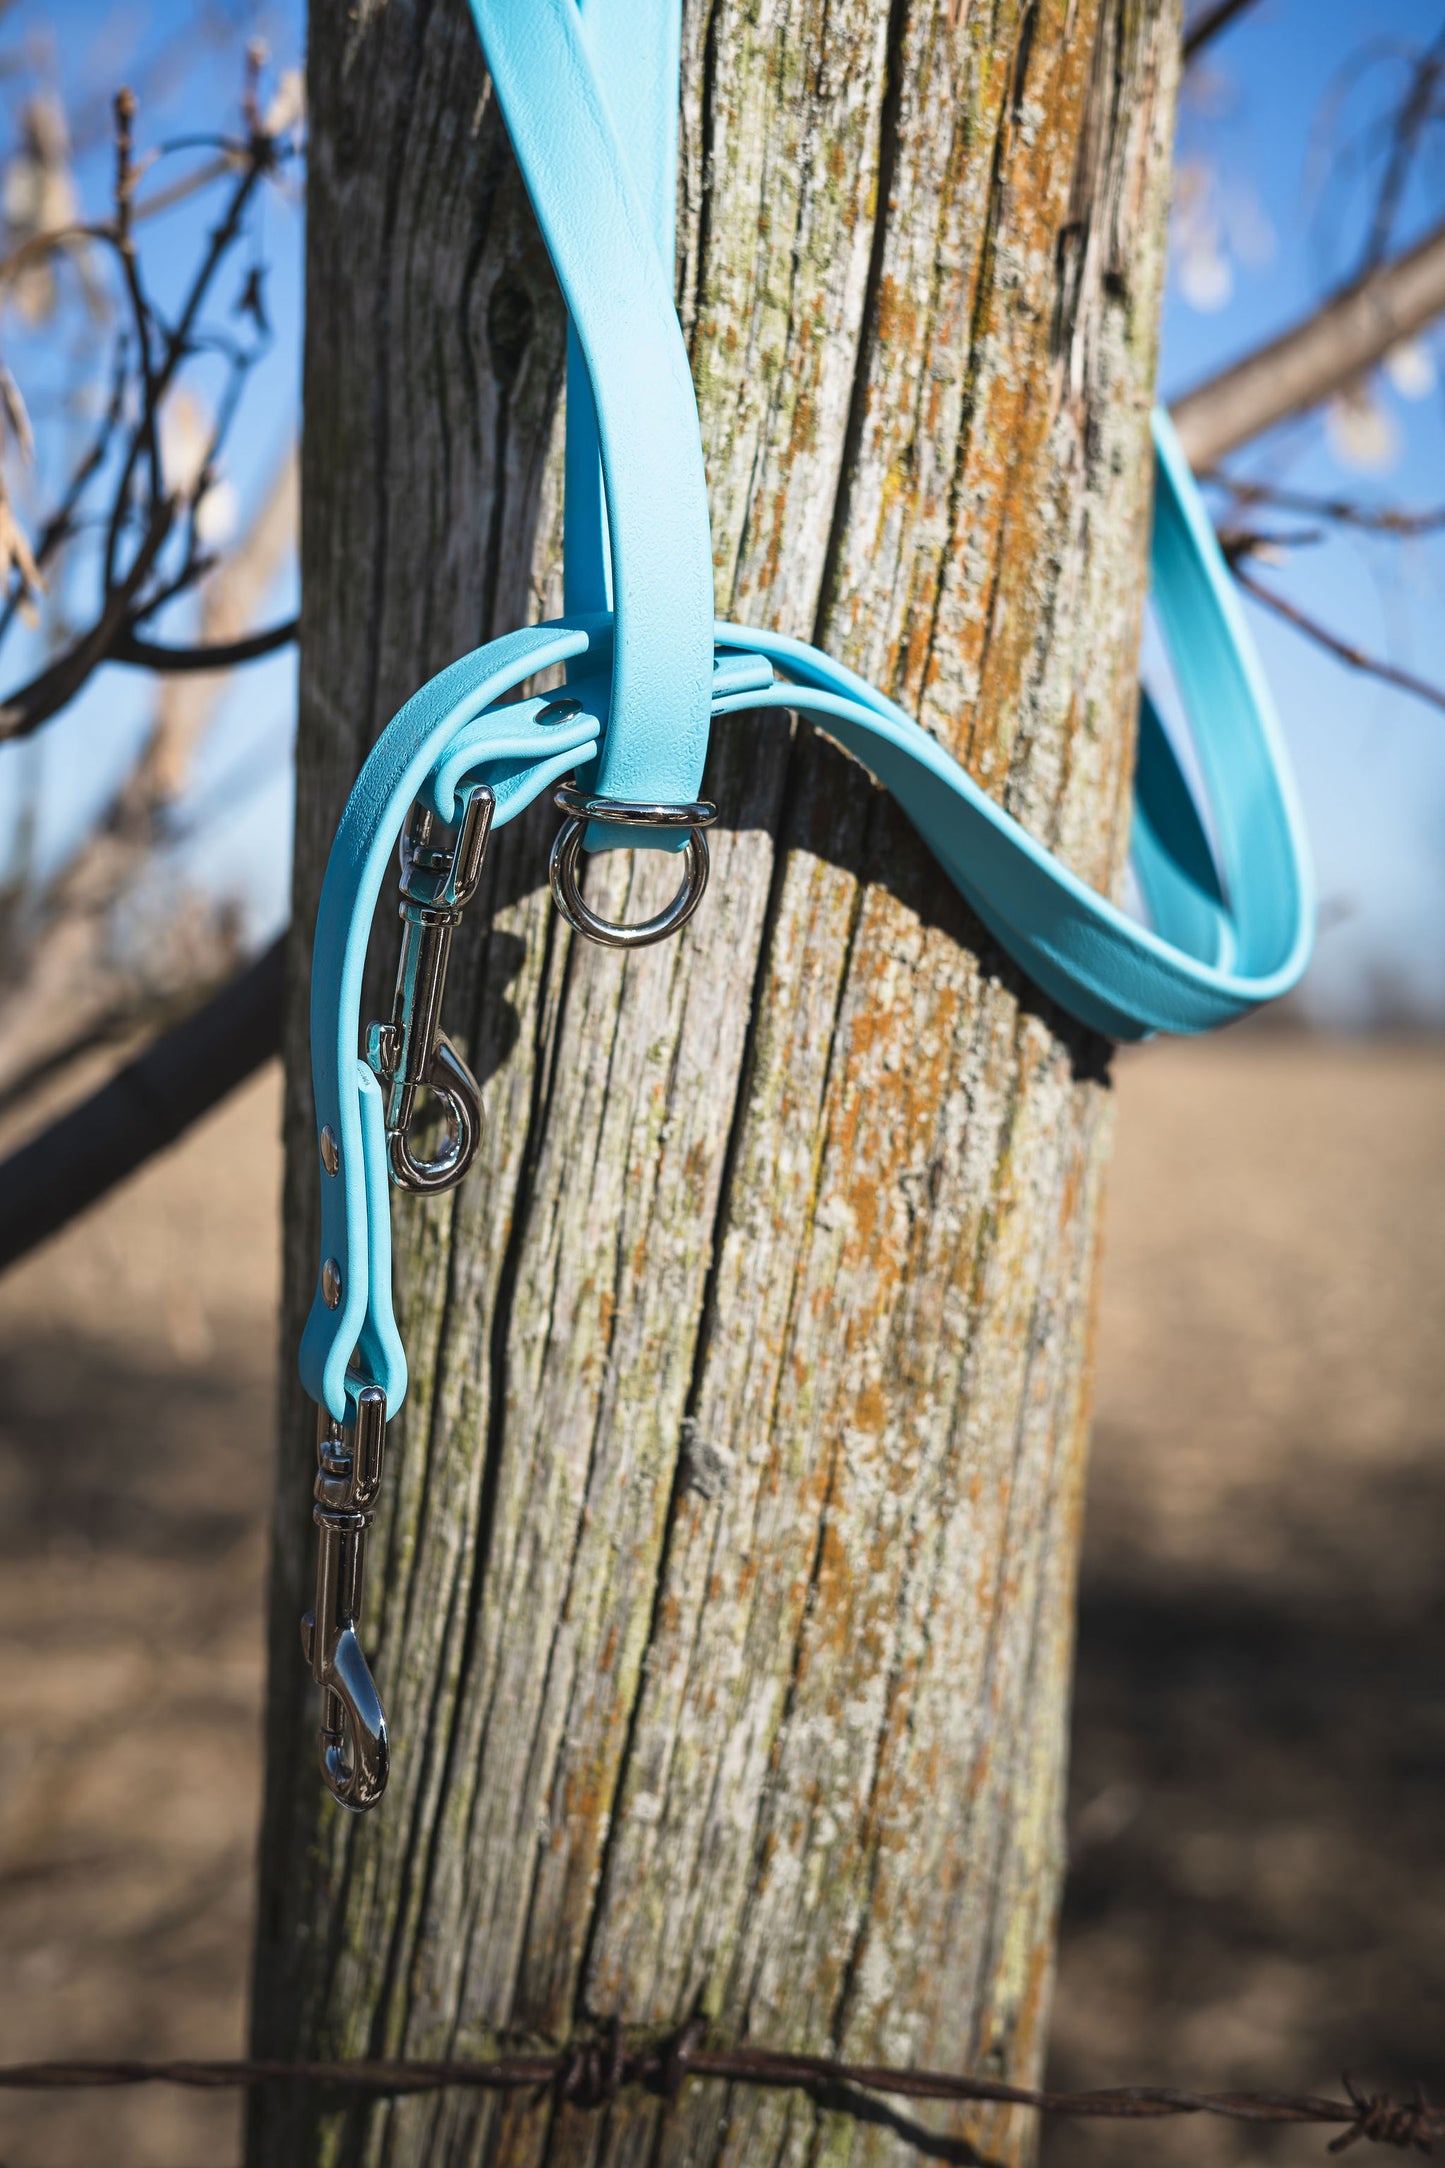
pixel 1257 1888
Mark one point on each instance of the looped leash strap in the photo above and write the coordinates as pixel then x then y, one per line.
pixel 459 732
pixel 443 731
pixel 589 94
pixel 1216 947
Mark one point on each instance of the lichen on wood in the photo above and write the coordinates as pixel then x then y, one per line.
pixel 721 1590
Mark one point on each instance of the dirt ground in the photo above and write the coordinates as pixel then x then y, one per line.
pixel 1257 1888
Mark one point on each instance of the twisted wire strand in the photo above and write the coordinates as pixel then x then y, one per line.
pixel 592 2072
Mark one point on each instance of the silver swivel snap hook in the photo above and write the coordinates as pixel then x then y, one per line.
pixel 412 1053
pixel 351 1742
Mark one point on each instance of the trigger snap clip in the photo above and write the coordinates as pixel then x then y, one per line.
pixel 412 1053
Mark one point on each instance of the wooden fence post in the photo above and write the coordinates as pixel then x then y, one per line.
pixel 721 1592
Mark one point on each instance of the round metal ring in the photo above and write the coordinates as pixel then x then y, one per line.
pixel 568 897
pixel 631 812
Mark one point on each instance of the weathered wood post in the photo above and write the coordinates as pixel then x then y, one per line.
pixel 722 1593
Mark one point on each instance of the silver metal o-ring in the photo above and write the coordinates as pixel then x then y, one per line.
pixel 632 812
pixel 627 813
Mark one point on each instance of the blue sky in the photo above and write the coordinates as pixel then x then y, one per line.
pixel 1278 203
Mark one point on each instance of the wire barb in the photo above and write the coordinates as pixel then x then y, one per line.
pixel 591 2072
pixel 1382 2121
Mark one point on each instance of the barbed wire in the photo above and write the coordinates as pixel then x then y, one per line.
pixel 593 2072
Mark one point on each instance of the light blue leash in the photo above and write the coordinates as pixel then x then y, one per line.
pixel 590 93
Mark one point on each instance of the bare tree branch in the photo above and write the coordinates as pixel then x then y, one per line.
pixel 61 523
pixel 230 603
pixel 58 683
pixel 1391 520
pixel 178 1078
pixel 1417 109
pixel 210 655
pixel 130 597
pixel 1314 359
pixel 1238 543
pixel 1342 650
pixel 177 345
pixel 52 239
pixel 62 968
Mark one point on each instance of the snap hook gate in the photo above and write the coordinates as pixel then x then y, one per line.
pixel 412 1053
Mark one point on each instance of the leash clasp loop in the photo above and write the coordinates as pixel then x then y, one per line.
pixel 412 1053
pixel 351 1742
pixel 627 813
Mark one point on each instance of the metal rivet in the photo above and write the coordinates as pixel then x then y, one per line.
pixel 330 1150
pixel 331 1284
pixel 557 711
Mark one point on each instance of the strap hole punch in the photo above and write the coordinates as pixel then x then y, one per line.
pixel 627 813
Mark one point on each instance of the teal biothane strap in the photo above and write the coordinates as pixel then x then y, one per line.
pixel 603 245
pixel 589 94
pixel 454 717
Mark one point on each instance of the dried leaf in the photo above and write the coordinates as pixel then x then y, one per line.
pixel 38 196
pixel 185 442
pixel 1361 432
pixel 287 109
pixel 16 413
pixel 1410 366
pixel 16 555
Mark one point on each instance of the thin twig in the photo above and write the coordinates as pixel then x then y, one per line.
pixel 261 159
pixel 147 433
pixel 1342 650
pixel 57 685
pixel 51 239
pixel 113 639
pixel 1317 357
pixel 1415 111
pixel 1369 519
pixel 165 199
pixel 1202 32
pixel 1237 543
pixel 61 523
pixel 132 597
pixel 210 655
